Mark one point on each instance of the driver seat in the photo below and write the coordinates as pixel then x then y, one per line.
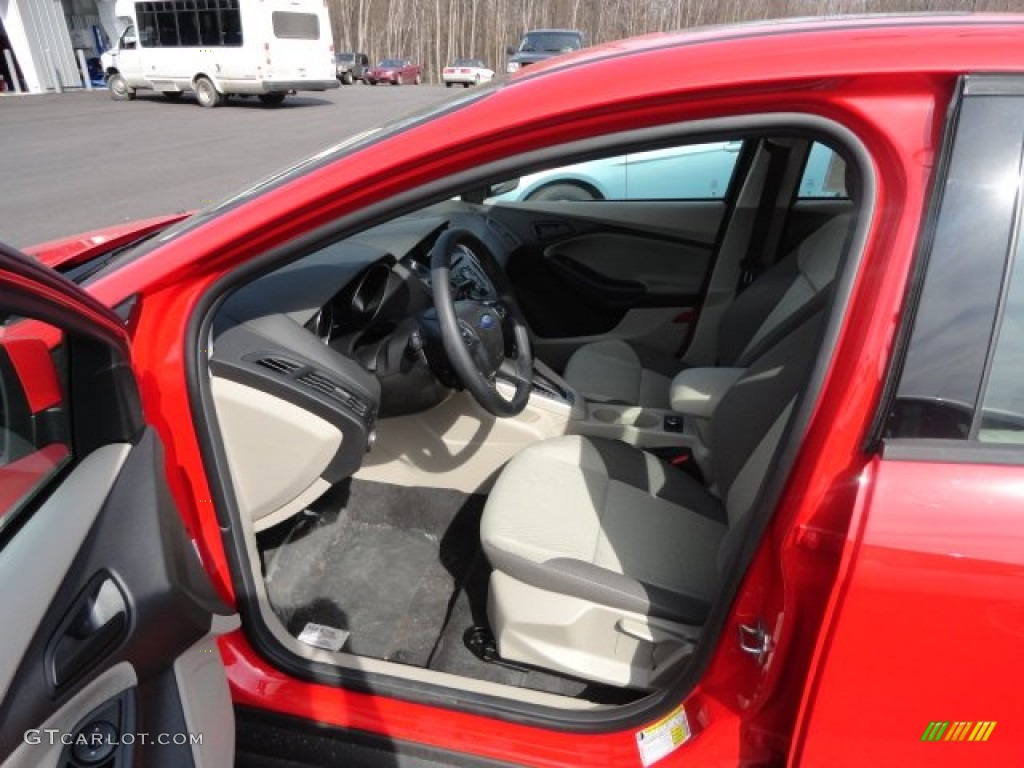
pixel 606 560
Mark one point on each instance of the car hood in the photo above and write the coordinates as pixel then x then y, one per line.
pixel 66 252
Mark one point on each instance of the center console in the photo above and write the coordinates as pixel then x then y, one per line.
pixel 639 426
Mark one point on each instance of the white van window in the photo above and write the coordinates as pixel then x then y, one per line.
pixel 296 26
pixel 189 23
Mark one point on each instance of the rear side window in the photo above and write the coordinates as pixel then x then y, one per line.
pixel 296 26
pixel 970 314
pixel 1002 407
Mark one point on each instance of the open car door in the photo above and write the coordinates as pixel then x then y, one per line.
pixel 108 653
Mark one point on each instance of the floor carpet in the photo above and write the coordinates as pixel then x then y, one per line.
pixel 402 571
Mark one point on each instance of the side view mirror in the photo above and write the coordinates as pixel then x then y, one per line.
pixel 30 387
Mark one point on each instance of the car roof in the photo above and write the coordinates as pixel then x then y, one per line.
pixel 857 31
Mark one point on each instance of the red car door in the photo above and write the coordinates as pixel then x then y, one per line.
pixel 110 656
pixel 919 662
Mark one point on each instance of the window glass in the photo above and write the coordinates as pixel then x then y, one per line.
pixel 189 23
pixel 824 175
pixel 296 26
pixel 687 172
pixel 1002 411
pixel 939 388
pixel 34 427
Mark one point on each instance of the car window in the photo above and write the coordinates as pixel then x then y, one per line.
pixel 1002 408
pixel 686 172
pixel 946 357
pixel 34 426
pixel 824 175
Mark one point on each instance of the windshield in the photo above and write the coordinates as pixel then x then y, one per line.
pixel 551 42
pixel 328 155
pixel 468 63
pixel 345 58
pixel 389 63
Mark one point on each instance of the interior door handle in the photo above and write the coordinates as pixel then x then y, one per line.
pixel 96 622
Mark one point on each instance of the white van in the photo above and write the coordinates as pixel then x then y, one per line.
pixel 221 47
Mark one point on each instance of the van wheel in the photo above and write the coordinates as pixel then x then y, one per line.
pixel 346 78
pixel 119 89
pixel 207 94
pixel 272 99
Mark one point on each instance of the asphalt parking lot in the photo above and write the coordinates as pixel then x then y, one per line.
pixel 78 161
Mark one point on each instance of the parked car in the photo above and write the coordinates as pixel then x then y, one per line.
pixel 466 72
pixel 700 481
pixel 541 44
pixel 351 67
pixel 396 72
pixel 689 172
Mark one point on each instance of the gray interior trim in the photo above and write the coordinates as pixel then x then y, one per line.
pixel 206 704
pixel 106 686
pixel 587 581
pixel 42 552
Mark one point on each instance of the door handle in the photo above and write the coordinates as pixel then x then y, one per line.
pixel 97 620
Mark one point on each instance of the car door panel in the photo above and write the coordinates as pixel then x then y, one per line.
pixel 111 516
pixel 634 269
pixel 110 617
pixel 630 270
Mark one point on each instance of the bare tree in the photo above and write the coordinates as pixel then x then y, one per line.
pixel 435 33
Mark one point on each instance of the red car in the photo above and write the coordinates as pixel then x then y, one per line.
pixel 621 482
pixel 396 72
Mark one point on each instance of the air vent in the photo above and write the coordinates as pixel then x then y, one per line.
pixel 325 386
pixel 279 365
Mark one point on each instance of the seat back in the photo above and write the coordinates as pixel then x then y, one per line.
pixel 750 421
pixel 777 302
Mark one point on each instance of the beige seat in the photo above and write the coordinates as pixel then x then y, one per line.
pixel 606 560
pixel 614 371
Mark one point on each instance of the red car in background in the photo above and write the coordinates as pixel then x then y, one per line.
pixel 396 72
pixel 360 463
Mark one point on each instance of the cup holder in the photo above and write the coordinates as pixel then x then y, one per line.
pixel 631 417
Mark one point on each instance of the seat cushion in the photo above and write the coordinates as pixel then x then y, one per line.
pixel 603 521
pixel 613 371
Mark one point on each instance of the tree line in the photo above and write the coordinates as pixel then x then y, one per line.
pixel 434 32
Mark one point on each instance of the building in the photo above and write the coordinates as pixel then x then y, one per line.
pixel 41 40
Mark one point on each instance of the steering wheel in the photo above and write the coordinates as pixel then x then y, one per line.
pixel 482 337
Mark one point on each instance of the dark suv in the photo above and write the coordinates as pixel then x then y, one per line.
pixel 540 44
pixel 351 67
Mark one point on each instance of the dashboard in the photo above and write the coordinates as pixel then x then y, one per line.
pixel 337 332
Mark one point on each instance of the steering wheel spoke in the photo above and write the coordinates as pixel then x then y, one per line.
pixel 481 337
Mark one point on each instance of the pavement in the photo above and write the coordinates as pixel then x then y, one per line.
pixel 78 161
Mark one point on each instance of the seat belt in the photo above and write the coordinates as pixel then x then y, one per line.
pixel 762 247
